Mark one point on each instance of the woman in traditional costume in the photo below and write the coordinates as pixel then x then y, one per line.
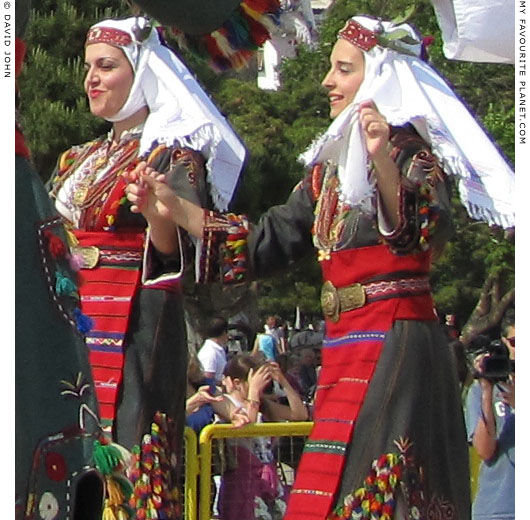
pixel 131 264
pixel 389 438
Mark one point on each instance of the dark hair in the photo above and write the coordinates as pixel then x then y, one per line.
pixel 239 366
pixel 283 361
pixel 216 327
pixel 508 320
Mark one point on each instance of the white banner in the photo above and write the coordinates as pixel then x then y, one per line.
pixel 477 30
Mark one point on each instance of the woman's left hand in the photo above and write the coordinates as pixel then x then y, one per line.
pixel 375 128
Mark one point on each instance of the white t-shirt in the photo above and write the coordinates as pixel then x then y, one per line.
pixel 213 358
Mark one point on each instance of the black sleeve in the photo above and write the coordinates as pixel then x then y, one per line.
pixel 233 250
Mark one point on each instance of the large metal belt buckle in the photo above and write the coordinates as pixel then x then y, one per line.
pixel 329 301
pixel 352 297
pixel 88 256
pixel 334 301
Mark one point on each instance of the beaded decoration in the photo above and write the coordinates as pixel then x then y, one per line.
pixel 97 191
pixel 428 210
pixel 155 494
pixel 234 253
pixel 330 211
pixel 427 216
pixel 224 248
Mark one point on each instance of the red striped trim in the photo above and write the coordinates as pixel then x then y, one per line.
pixel 103 360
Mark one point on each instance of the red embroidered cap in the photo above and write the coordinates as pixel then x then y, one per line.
pixel 108 35
pixel 360 36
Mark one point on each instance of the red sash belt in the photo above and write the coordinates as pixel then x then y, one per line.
pixel 350 353
pixel 109 279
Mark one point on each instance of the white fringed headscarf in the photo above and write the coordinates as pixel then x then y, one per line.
pixel 180 112
pixel 405 89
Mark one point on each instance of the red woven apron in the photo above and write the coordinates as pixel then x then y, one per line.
pixel 350 353
pixel 107 293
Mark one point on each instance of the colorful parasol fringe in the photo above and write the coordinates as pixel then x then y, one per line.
pixel 233 44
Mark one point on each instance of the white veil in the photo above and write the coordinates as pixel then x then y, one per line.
pixel 406 89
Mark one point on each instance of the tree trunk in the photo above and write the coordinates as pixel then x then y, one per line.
pixel 489 310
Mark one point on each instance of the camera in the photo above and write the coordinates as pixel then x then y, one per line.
pixel 496 366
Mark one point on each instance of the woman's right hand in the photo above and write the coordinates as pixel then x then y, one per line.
pixel 151 196
pixel 258 381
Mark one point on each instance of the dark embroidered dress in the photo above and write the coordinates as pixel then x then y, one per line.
pixel 137 345
pixel 389 429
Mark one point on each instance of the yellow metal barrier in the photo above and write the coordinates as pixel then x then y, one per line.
pixel 198 463
pixel 474 466
pixel 191 473
pixel 224 431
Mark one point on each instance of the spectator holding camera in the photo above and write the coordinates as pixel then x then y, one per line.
pixel 490 419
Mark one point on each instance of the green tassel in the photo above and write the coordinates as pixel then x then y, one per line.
pixel 63 284
pixel 125 484
pixel 106 457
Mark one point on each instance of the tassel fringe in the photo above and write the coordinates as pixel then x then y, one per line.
pixel 112 461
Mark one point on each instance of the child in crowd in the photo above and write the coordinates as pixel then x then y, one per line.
pixel 250 488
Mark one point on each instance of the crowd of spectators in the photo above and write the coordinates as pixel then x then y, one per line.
pixel 276 378
pixel 270 381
